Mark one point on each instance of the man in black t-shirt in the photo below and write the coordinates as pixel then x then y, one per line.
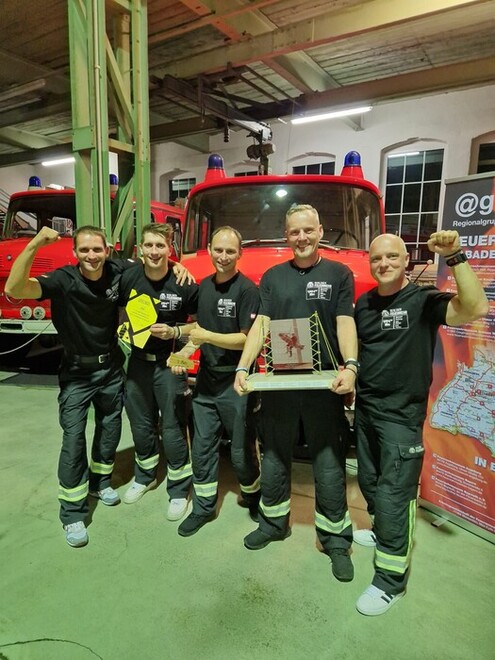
pixel 154 395
pixel 293 289
pixel 228 304
pixel 85 315
pixel 397 324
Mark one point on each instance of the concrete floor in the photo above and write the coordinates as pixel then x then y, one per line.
pixel 139 591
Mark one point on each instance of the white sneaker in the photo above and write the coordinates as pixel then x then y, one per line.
pixel 76 534
pixel 136 491
pixel 108 496
pixel 176 508
pixel 374 601
pixel 364 537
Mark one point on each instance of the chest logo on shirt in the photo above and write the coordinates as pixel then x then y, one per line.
pixel 170 302
pixel 395 319
pixel 226 308
pixel 318 291
pixel 112 293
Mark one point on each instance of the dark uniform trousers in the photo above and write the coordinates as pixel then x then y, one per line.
pixel 102 386
pixel 322 415
pixel 390 457
pixel 157 399
pixel 215 403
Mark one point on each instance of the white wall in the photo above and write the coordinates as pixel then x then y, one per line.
pixel 450 120
pixel 14 179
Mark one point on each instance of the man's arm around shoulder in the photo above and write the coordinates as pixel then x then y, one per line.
pixel 19 284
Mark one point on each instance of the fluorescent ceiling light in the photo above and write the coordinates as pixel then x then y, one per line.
pixel 331 115
pixel 58 161
pixel 409 153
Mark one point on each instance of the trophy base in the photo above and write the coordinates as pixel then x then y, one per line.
pixel 318 380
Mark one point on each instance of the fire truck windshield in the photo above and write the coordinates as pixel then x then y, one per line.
pixel 350 215
pixel 27 214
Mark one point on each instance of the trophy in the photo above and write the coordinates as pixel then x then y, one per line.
pixel 292 352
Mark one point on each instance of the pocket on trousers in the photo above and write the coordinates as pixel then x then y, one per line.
pixel 408 464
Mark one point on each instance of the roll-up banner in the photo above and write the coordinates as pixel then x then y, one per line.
pixel 458 478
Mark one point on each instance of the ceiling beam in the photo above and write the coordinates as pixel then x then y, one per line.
pixel 200 99
pixel 299 69
pixel 442 79
pixel 25 139
pixel 21 70
pixel 377 15
pixel 37 110
pixel 184 127
pixel 215 16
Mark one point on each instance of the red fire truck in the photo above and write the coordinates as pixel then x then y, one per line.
pixel 350 209
pixel 27 213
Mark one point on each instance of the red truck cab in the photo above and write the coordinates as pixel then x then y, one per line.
pixel 350 209
pixel 27 213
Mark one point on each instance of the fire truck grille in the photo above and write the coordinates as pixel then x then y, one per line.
pixel 42 265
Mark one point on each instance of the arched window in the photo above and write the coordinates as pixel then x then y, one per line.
pixel 412 197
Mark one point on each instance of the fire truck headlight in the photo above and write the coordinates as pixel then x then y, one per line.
pixel 39 313
pixel 26 312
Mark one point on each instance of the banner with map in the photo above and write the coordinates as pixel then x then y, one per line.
pixel 459 469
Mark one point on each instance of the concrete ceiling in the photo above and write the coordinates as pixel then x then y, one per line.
pixel 211 61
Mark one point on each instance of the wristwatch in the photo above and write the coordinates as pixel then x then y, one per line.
pixel 457 258
pixel 352 362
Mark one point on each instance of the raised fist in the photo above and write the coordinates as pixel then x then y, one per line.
pixel 46 236
pixel 444 243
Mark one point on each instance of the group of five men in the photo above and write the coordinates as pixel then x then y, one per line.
pixel 228 319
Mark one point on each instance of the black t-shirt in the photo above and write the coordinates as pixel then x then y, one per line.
pixel 397 339
pixel 85 313
pixel 174 303
pixel 287 292
pixel 225 308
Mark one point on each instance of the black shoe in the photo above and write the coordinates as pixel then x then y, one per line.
pixel 253 512
pixel 193 524
pixel 258 540
pixel 251 503
pixel 342 567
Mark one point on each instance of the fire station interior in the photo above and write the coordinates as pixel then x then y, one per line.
pixel 229 78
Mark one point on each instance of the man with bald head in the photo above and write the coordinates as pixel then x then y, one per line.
pixel 397 324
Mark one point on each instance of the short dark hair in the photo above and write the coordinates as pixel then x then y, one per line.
pixel 89 229
pixel 164 230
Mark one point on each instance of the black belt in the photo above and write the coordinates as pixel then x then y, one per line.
pixel 148 357
pixel 89 360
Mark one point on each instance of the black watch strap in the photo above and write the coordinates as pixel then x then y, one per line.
pixel 457 258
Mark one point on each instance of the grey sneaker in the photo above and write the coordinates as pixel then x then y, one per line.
pixel 108 496
pixel 76 534
pixel 364 537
